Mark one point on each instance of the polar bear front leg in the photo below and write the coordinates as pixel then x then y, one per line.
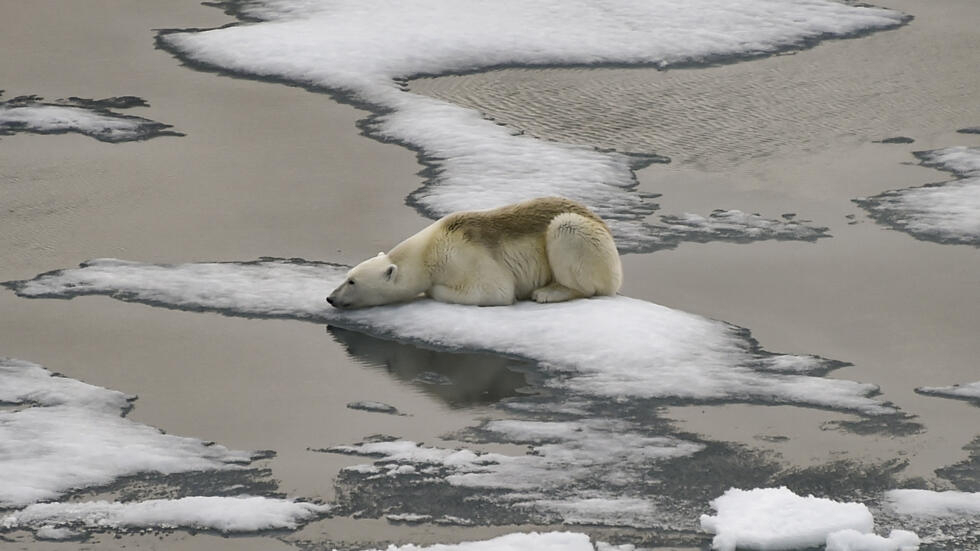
pixel 555 292
pixel 472 295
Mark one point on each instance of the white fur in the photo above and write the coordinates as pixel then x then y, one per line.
pixel 574 257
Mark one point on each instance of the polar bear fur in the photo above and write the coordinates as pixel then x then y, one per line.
pixel 548 249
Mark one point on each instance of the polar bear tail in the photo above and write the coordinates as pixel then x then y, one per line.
pixel 583 255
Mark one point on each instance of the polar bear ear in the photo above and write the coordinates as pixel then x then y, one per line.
pixel 381 254
pixel 390 272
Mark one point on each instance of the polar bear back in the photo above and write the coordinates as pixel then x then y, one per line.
pixel 496 227
pixel 511 251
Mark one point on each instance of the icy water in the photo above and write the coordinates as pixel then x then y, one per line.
pixel 622 421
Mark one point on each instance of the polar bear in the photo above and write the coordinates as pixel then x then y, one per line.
pixel 548 249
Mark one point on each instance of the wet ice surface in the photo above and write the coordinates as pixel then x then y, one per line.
pixel 945 213
pixel 92 118
pixel 362 51
pixel 62 437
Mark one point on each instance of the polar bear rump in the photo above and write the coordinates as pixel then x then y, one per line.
pixel 548 249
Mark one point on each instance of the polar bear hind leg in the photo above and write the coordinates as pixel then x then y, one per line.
pixel 583 258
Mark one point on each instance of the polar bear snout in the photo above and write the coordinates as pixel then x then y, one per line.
pixel 337 303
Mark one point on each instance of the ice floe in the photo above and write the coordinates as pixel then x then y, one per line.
pixel 49 532
pixel 777 518
pixel 629 349
pixel 519 541
pixel 967 391
pixel 84 116
pixel 929 504
pixel 363 49
pixel 946 213
pixel 852 540
pixel 224 514
pixel 69 435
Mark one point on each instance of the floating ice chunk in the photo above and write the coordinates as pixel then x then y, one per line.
pixel 777 518
pixel 225 514
pixel 945 213
pixel 852 540
pixel 629 348
pixel 408 518
pixel 49 532
pixel 361 47
pixel 376 407
pixel 73 436
pixel 550 541
pixel 969 391
pixel 363 469
pixel 82 116
pixel 926 503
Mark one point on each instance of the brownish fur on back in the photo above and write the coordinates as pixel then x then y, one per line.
pixel 527 218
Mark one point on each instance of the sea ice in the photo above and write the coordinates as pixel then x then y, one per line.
pixel 519 541
pixel 969 391
pixel 927 503
pixel 70 435
pixel 777 518
pixel 30 114
pixel 224 514
pixel 363 48
pixel 555 478
pixel 948 212
pixel 852 540
pixel 628 348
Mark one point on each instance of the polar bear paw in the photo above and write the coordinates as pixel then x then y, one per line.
pixel 554 293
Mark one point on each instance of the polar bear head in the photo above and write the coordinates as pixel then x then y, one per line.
pixel 370 283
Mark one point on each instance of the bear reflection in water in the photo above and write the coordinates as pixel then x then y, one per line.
pixel 460 379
